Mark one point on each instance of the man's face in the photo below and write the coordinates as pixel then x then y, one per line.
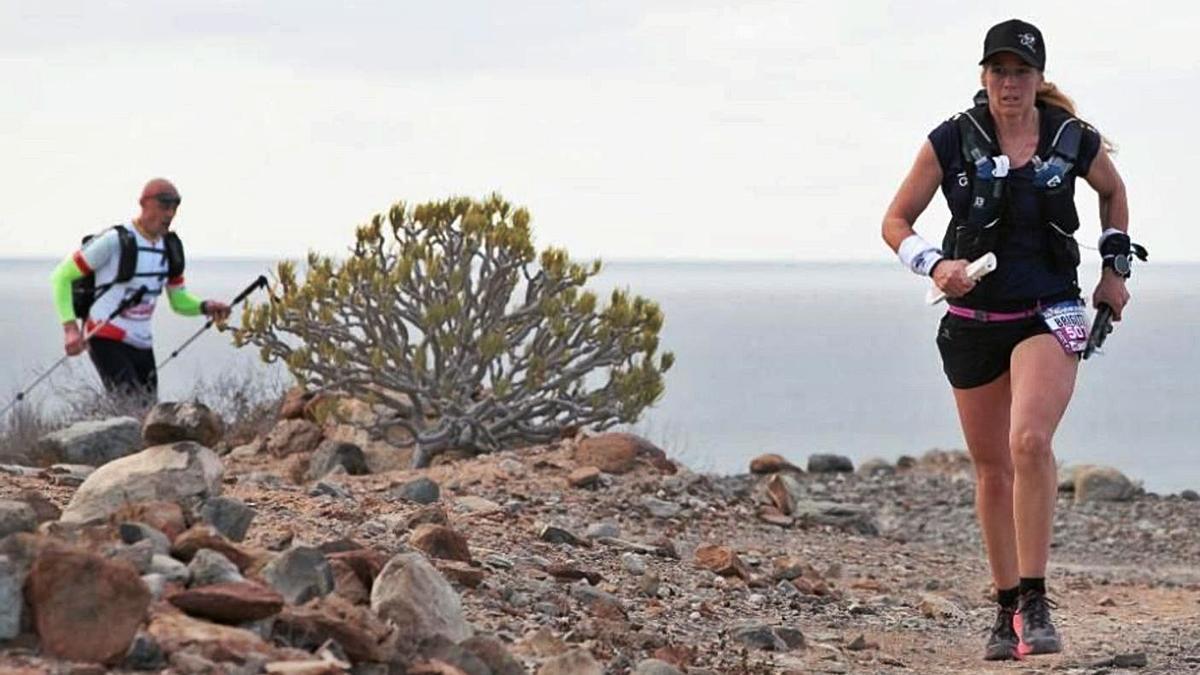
pixel 158 210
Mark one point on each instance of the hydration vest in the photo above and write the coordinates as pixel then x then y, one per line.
pixel 84 290
pixel 976 230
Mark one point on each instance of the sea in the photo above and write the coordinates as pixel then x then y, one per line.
pixel 782 357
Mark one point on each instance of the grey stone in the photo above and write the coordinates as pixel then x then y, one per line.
pixel 331 454
pixel 758 636
pixel 174 422
pixel 557 535
pixel 231 517
pixel 185 472
pixel 656 667
pixel 69 474
pixel 825 463
pixel 415 597
pixel 170 569
pixel 660 508
pixel 849 517
pixel 157 584
pixel 327 488
pixel 131 533
pixel 16 517
pixel 93 442
pixel 210 567
pixel 419 490
pixel 139 554
pixel 1190 496
pixel 1102 484
pixel 11 600
pixel 598 530
pixel 633 563
pixel 876 467
pixel 299 574
pixel 144 654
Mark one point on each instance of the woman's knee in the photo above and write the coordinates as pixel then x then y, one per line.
pixel 1031 447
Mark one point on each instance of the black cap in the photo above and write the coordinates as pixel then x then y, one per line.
pixel 1018 37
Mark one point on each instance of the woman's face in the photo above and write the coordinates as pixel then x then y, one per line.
pixel 1011 83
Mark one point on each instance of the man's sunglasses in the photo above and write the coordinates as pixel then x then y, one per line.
pixel 166 199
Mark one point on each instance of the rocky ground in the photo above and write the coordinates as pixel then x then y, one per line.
pixel 585 556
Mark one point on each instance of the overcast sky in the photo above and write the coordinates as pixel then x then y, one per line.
pixel 631 129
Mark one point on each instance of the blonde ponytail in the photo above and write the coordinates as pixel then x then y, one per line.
pixel 1050 94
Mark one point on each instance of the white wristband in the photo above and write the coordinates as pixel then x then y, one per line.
pixel 1106 234
pixel 918 255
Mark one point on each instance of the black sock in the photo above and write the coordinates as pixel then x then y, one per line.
pixel 1037 584
pixel 1007 597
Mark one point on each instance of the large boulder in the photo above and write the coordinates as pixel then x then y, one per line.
pixel 92 442
pixel 16 516
pixel 1102 484
pixel 330 455
pixel 772 463
pixel 85 607
pixel 173 422
pixel 184 472
pixel 615 452
pixel 293 437
pixel 826 463
pixel 415 597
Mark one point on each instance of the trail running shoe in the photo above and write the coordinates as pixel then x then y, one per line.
pixel 1033 625
pixel 1002 641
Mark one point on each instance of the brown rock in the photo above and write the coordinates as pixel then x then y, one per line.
pixel 584 476
pixel 166 517
pixel 722 560
pixel 772 463
pixel 363 636
pixel 781 488
pixel 439 541
pixel 772 515
pixel 293 436
pixel 309 667
pixel 677 655
pixel 174 631
pixel 494 655
pixel 570 573
pixel 366 564
pixel 321 408
pixel 435 667
pixel 204 536
pixel 460 572
pixel 292 406
pixel 614 452
pixel 295 468
pixel 43 509
pixel 347 584
pixel 229 602
pixel 173 422
pixel 85 608
pixel 432 514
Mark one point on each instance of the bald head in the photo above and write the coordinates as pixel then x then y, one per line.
pixel 159 201
pixel 159 187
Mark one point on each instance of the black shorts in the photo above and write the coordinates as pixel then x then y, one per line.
pixel 124 369
pixel 977 352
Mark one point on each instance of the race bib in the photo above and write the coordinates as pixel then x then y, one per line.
pixel 1067 320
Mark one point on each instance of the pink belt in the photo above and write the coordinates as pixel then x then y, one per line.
pixel 981 315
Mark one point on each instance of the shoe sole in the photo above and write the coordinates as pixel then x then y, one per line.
pixel 1008 653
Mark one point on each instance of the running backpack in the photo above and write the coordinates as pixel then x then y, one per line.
pixel 84 290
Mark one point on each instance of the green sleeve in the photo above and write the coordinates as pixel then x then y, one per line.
pixel 184 302
pixel 60 281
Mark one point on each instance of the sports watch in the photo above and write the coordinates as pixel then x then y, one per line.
pixel 1118 263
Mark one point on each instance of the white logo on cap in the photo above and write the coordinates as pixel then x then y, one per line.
pixel 1028 41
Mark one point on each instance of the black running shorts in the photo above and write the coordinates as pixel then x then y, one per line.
pixel 124 369
pixel 976 352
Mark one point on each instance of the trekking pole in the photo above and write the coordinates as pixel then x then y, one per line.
pixel 260 282
pixel 1103 325
pixel 125 304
